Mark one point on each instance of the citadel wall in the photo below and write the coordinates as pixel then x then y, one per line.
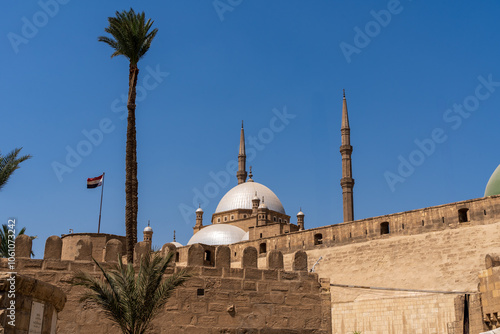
pixel 432 256
pixel 218 298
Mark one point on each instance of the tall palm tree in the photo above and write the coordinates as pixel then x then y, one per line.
pixel 9 163
pixel 131 37
pixel 4 240
pixel 132 301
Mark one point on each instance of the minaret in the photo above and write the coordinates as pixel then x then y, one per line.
pixel 255 204
pixel 199 220
pixel 262 213
pixel 242 157
pixel 300 220
pixel 148 233
pixel 347 182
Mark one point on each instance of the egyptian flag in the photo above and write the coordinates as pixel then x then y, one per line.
pixel 94 182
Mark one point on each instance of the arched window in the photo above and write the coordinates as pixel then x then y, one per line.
pixel 208 255
pixel 262 248
pixel 384 228
pixel 274 218
pixel 318 239
pixel 177 257
pixel 232 217
pixel 218 220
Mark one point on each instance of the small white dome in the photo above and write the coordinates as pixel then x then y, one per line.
pixel 148 229
pixel 240 197
pixel 300 213
pixel 199 210
pixel 176 244
pixel 217 234
pixel 262 205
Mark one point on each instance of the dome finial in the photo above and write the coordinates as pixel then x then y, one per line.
pixel 343 92
pixel 149 223
pixel 174 235
pixel 250 175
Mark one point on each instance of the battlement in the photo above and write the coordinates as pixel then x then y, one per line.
pixel 480 211
pixel 218 296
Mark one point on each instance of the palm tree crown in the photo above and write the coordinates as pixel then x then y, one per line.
pixel 132 300
pixel 132 37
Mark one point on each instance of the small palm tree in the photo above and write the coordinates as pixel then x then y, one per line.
pixel 131 37
pixel 4 240
pixel 9 163
pixel 132 301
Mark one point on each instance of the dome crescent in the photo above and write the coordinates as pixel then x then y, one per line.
pixel 240 197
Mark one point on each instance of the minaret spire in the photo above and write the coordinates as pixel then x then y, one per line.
pixel 347 182
pixel 242 157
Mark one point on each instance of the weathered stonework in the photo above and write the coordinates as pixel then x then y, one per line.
pixel 28 290
pixel 216 299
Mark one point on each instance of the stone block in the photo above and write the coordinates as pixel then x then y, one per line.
pixel 83 250
pixel 141 249
pixel 249 259
pixel 196 255
pixel 299 261
pixel 113 250
pixel 231 284
pixel 251 273
pixel 23 246
pixel 288 276
pixel 53 248
pixel 274 260
pixel 168 248
pixel 271 275
pixel 223 257
pixel 233 272
pixel 214 272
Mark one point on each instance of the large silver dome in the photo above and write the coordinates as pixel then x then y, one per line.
pixel 240 197
pixel 217 234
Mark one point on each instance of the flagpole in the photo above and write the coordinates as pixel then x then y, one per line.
pixel 100 209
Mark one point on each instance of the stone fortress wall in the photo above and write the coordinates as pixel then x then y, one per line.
pixel 436 249
pixel 218 298
pixel 420 271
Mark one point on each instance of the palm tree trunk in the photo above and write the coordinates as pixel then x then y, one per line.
pixel 131 184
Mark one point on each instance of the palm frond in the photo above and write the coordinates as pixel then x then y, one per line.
pixel 131 35
pixel 9 163
pixel 132 300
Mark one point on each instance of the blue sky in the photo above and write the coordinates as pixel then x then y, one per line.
pixel 422 82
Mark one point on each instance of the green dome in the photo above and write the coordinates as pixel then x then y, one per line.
pixel 493 186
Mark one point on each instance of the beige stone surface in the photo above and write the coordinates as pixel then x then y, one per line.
pixel 443 260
